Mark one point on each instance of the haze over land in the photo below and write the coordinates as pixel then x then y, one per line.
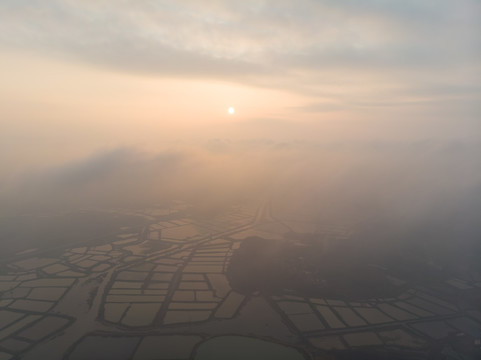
pixel 343 110
pixel 363 116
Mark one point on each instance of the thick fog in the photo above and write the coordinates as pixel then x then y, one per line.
pixel 404 186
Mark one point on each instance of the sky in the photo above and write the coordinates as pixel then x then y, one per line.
pixel 87 86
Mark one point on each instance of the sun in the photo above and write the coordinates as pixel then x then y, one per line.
pixel 231 110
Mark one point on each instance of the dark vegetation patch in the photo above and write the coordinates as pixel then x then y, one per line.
pixel 308 267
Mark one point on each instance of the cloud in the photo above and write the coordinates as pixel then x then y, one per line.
pixel 395 174
pixel 269 43
pixel 128 177
pixel 388 193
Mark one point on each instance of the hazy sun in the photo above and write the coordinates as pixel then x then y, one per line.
pixel 231 110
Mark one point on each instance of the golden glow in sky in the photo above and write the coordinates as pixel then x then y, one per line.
pixel 144 74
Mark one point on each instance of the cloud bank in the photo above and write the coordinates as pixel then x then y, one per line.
pixel 410 51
